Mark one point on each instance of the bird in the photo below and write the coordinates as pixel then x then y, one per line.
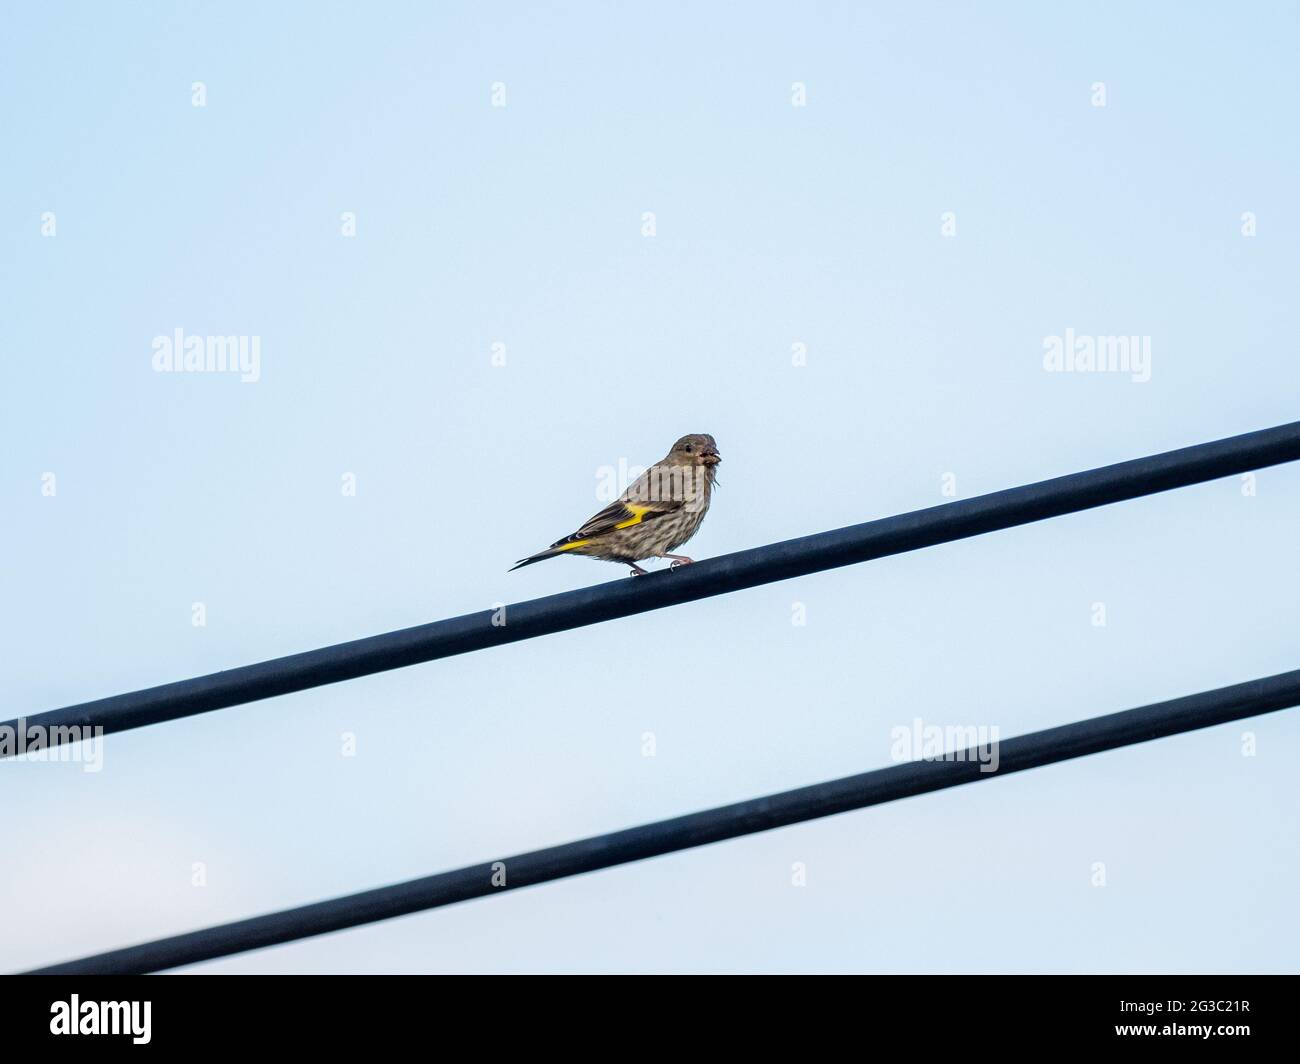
pixel 660 511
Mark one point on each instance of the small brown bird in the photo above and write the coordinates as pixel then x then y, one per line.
pixel 657 514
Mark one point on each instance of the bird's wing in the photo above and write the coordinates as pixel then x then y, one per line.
pixel 635 506
pixel 620 514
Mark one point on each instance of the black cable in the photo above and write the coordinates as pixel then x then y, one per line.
pixel 699 829
pixel 714 576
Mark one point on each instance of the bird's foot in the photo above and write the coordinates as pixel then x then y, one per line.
pixel 638 571
pixel 679 559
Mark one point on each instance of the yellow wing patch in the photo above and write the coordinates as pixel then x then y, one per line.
pixel 638 515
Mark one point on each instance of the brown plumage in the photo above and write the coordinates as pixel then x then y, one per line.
pixel 657 514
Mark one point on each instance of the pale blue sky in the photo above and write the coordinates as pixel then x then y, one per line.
pixel 521 225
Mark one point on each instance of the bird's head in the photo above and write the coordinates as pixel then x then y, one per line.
pixel 698 449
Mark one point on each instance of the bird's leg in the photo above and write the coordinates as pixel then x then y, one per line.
pixel 637 570
pixel 678 559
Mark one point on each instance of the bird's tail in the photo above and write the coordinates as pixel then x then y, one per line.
pixel 541 556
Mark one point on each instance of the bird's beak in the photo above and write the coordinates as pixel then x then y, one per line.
pixel 711 457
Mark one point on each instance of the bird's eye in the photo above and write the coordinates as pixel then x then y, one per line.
pixel 689 449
